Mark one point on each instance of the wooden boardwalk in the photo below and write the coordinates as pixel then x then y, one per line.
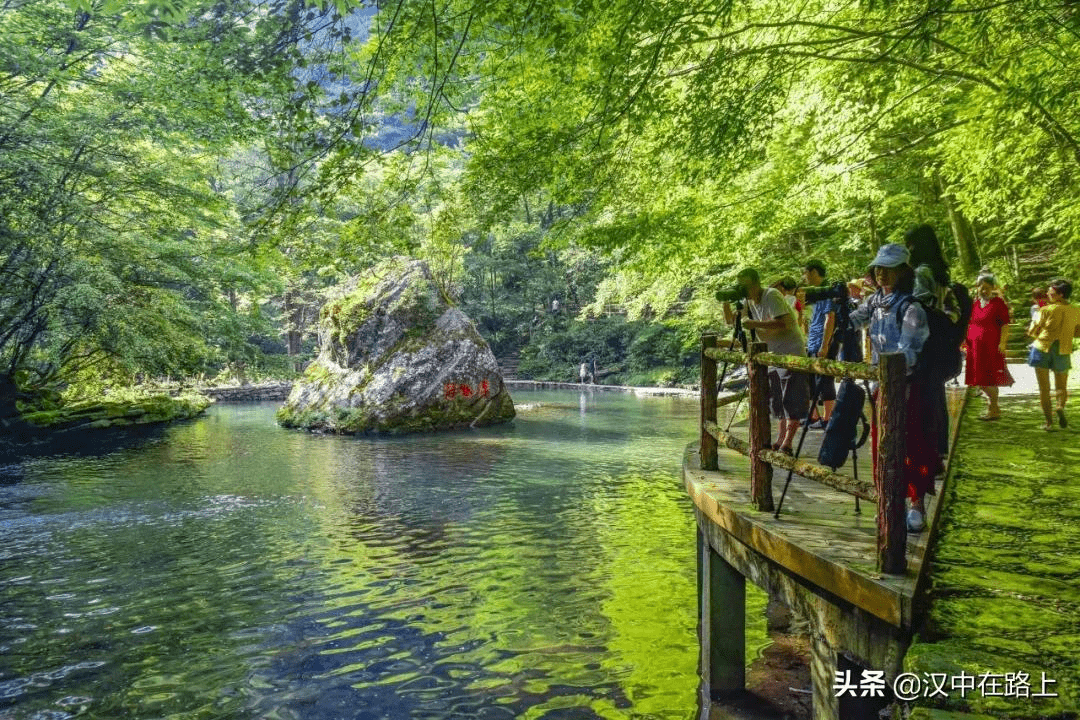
pixel 819 536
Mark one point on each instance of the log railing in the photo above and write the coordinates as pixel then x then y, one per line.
pixel 887 488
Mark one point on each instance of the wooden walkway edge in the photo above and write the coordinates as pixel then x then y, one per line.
pixel 819 557
pixel 819 535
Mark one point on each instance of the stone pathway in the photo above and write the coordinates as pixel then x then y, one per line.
pixel 1026 383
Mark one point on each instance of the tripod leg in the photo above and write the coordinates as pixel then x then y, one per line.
pixel 802 437
pixel 736 335
pixel 855 472
pixel 798 449
pixel 842 321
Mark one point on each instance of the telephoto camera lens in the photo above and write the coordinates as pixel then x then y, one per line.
pixel 838 291
pixel 732 294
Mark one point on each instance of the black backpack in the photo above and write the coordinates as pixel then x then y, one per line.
pixel 851 344
pixel 940 359
pixel 963 298
pixel 840 433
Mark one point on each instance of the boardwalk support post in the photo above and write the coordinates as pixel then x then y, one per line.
pixel 708 404
pixel 721 623
pixel 889 475
pixel 760 431
pixel 823 666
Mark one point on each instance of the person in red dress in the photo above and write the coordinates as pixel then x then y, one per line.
pixel 987 335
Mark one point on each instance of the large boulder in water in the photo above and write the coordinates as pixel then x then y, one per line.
pixel 396 357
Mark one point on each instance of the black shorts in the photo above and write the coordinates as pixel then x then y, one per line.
pixel 789 394
pixel 825 385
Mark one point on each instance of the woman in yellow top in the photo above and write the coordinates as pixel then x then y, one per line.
pixel 1057 324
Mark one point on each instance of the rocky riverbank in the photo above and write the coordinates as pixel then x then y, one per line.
pixel 93 423
pixel 590 387
pixel 250 393
pixel 105 413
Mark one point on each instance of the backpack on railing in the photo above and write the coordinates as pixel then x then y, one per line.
pixel 840 433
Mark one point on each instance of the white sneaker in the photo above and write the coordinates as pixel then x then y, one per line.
pixel 915 522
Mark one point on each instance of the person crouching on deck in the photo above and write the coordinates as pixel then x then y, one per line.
pixel 898 324
pixel 776 326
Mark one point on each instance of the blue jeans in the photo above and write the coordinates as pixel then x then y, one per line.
pixel 1052 360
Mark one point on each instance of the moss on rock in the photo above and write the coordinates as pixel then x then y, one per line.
pixel 395 358
pixel 929 714
pixel 106 412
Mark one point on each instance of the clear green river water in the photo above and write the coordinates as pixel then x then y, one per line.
pixel 227 568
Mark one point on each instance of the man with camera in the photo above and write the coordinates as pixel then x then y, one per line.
pixel 818 336
pixel 773 319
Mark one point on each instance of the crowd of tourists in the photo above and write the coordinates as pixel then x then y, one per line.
pixel 907 303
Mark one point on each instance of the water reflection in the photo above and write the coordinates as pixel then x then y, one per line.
pixel 234 569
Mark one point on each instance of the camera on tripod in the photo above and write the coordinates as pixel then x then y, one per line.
pixel 732 294
pixel 836 291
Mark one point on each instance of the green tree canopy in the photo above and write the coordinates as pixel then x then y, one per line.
pixel 157 159
pixel 117 242
pixel 701 136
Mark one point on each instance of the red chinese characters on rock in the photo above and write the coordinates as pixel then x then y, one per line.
pixel 452 391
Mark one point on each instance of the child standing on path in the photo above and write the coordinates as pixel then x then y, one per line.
pixel 1038 299
pixel 1057 324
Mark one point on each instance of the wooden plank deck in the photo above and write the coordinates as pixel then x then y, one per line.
pixel 819 536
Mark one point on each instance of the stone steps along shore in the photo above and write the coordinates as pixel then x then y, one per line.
pixel 249 393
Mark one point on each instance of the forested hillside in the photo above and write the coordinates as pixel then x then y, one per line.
pixel 180 180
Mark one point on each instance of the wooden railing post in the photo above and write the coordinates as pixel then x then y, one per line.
pixel 708 404
pixel 891 516
pixel 760 431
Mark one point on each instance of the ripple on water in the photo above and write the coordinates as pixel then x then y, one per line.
pixel 237 570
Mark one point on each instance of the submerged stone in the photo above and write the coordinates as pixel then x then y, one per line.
pixel 396 357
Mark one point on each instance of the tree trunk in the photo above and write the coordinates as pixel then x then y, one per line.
pixel 966 243
pixel 875 244
pixel 491 286
pixel 9 393
pixel 294 314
